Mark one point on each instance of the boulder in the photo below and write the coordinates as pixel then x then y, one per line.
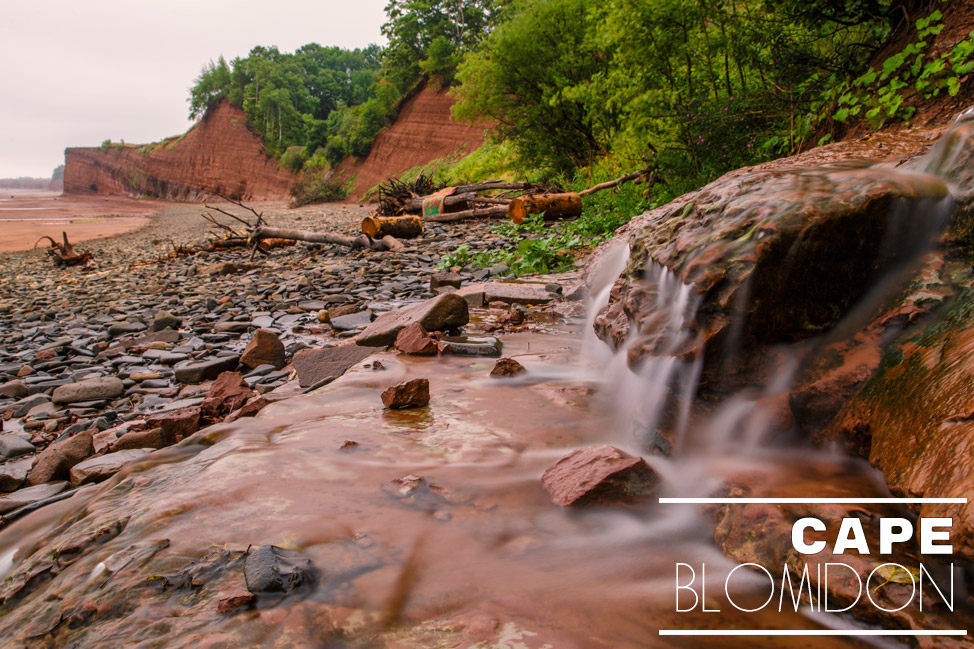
pixel 441 313
pixel 93 389
pixel 773 254
pixel 416 341
pixel 315 365
pixel 599 475
pixel 411 394
pixel 507 367
pixel 270 570
pixel 265 348
pixel 55 462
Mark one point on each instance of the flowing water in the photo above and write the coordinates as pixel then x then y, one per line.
pixel 430 526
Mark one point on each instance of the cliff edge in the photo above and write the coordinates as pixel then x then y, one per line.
pixel 218 155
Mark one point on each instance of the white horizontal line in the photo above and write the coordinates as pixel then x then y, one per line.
pixel 811 501
pixel 806 632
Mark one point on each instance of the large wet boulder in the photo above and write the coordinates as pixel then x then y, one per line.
pixel 441 313
pixel 772 255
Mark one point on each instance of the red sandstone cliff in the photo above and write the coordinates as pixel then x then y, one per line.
pixel 219 155
pixel 423 132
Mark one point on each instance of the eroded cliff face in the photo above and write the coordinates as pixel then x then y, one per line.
pixel 219 155
pixel 423 132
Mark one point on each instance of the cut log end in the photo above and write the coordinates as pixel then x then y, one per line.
pixel 554 206
pixel 400 227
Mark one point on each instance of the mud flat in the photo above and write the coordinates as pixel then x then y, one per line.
pixel 27 215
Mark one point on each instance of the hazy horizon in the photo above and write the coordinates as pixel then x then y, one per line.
pixel 111 69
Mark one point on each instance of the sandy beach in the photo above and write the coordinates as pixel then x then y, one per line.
pixel 27 215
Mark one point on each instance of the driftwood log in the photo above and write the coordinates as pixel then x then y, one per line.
pixel 554 206
pixel 401 227
pixel 362 241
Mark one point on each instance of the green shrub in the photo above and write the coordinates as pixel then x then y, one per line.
pixel 312 187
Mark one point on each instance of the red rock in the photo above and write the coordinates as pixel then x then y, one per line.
pixel 416 341
pixel 507 367
pixel 178 424
pixel 45 355
pixel 599 475
pixel 152 438
pixel 411 394
pixel 55 462
pixel 249 409
pixel 265 348
pixel 227 393
pixel 235 601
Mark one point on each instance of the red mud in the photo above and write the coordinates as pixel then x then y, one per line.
pixel 27 215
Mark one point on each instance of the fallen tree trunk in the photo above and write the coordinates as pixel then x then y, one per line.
pixel 554 206
pixel 363 241
pixel 401 227
pixel 449 217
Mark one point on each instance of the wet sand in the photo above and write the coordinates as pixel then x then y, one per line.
pixel 27 215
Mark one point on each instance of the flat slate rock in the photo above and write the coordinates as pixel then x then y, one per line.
pixel 14 446
pixel 446 311
pixel 95 389
pixel 473 346
pixel 352 321
pixel 14 473
pixel 206 370
pixel 516 293
pixel 102 467
pixel 315 365
pixel 30 495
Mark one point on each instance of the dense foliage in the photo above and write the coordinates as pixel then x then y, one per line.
pixel 288 98
pixel 584 91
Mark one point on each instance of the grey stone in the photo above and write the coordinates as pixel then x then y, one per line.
pixel 447 311
pixel 14 446
pixel 122 328
pixel 13 474
pixel 207 370
pixel 352 321
pixel 473 346
pixel 273 570
pixel 24 406
pixel 30 495
pixel 165 320
pixel 103 387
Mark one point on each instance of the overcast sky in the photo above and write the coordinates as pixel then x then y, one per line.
pixel 76 72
